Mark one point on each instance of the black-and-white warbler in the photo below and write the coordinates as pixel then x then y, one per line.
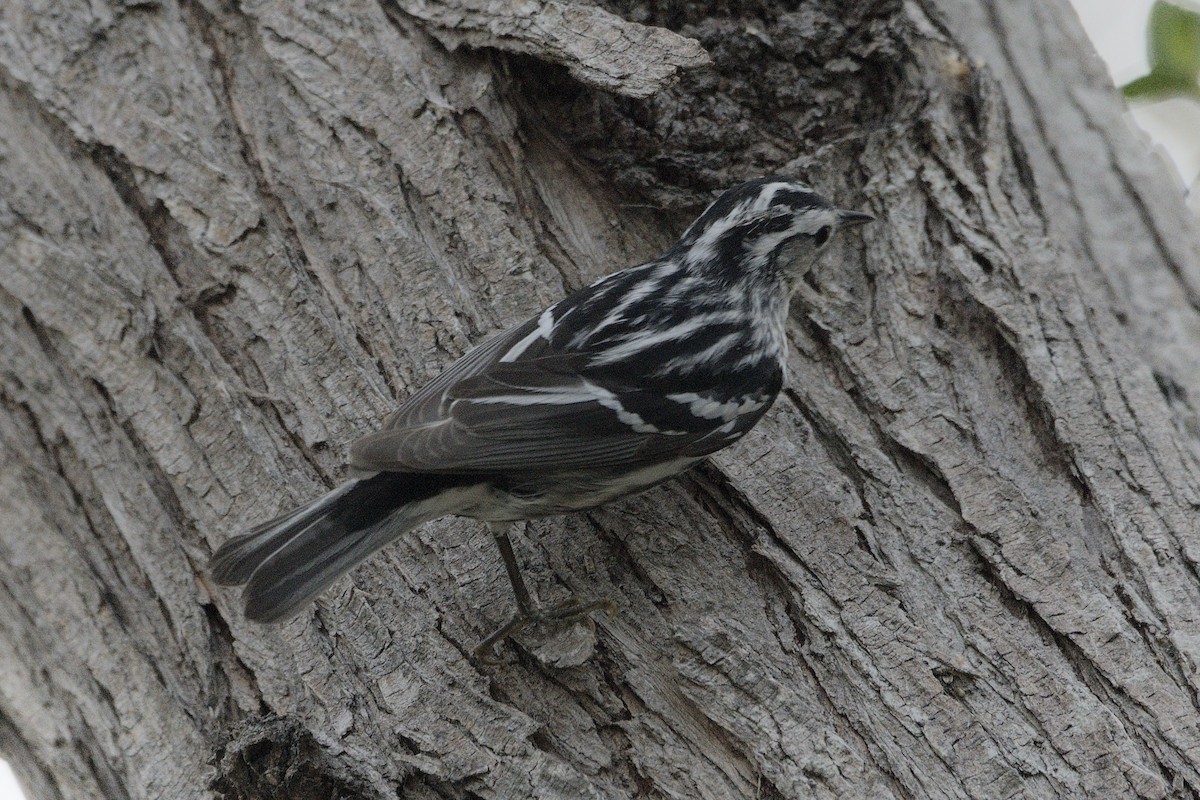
pixel 616 387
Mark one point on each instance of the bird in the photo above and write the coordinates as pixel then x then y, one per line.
pixel 617 387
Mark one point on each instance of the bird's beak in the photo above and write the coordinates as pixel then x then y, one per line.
pixel 848 219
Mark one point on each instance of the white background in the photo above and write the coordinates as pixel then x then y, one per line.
pixel 1118 28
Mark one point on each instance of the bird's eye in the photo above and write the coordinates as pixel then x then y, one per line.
pixel 822 236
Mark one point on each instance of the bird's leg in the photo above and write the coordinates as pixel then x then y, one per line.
pixel 527 614
pixel 524 602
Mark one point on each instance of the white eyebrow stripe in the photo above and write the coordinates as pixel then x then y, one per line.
pixel 767 194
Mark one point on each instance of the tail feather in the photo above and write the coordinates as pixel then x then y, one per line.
pixel 236 560
pixel 309 563
pixel 291 559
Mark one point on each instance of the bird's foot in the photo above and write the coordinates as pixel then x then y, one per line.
pixel 570 611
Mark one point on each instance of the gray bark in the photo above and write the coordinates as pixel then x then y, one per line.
pixel 957 559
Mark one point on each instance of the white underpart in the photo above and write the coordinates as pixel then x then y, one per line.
pixel 707 408
pixel 769 333
pixel 542 331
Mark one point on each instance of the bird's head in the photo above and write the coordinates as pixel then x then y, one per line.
pixel 770 227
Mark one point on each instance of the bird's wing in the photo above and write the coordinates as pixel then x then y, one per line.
pixel 520 405
pixel 428 404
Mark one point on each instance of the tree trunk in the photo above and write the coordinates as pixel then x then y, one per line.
pixel 957 559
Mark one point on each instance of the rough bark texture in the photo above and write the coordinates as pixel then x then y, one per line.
pixel 958 559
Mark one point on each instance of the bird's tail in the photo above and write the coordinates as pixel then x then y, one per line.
pixel 288 561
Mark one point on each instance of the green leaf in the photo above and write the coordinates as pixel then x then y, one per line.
pixel 1174 40
pixel 1173 44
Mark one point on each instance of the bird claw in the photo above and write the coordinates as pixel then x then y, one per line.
pixel 569 611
